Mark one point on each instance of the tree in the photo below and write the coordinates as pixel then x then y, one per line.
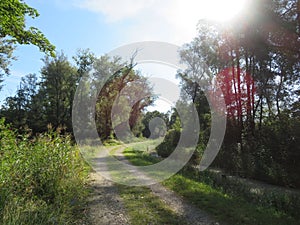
pixel 58 85
pixel 13 30
pixel 6 55
pixel 13 27
pixel 84 60
pixel 50 100
pixel 159 129
pixel 256 62
pixel 120 85
pixel 18 109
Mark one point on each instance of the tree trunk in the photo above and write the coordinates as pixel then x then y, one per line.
pixel 234 85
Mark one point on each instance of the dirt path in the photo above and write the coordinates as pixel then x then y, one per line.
pixel 105 205
pixel 192 214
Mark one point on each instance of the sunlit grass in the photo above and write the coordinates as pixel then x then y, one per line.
pixel 233 210
pixel 141 205
pixel 139 158
pixel 42 179
pixel 224 207
pixel 145 208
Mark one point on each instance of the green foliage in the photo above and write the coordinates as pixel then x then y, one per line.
pixel 270 154
pixel 48 101
pixel 41 179
pixel 260 85
pixel 6 55
pixel 22 109
pixel 12 25
pixel 84 60
pixel 58 86
pixel 13 30
pixel 121 84
pixel 169 144
pixel 280 167
pixel 146 122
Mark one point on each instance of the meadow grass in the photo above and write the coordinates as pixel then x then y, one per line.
pixel 42 179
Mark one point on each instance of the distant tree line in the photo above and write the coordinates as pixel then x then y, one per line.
pixel 47 100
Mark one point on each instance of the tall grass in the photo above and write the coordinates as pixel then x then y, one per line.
pixel 42 179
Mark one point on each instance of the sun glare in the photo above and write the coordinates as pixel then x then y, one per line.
pixel 223 10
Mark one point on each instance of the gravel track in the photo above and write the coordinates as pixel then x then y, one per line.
pixel 104 204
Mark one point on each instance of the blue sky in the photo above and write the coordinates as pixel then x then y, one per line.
pixel 103 25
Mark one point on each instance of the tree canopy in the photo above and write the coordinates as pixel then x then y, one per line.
pixel 13 15
pixel 255 61
pixel 13 30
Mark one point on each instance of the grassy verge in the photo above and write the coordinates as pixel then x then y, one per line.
pixel 42 179
pixel 145 208
pixel 227 208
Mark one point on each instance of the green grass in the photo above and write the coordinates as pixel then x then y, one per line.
pixel 232 210
pixel 224 207
pixel 111 142
pixel 42 179
pixel 146 145
pixel 141 205
pixel 145 208
pixel 139 158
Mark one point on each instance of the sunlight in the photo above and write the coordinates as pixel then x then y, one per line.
pixel 216 10
pixel 223 11
pixel 185 15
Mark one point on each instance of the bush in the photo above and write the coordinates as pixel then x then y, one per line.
pixel 169 144
pixel 41 178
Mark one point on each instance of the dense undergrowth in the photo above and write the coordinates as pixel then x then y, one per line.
pixel 42 179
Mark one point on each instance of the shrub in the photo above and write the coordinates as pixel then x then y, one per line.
pixel 41 178
pixel 169 144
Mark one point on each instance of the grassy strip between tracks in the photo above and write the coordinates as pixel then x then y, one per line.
pixel 142 206
pixel 145 208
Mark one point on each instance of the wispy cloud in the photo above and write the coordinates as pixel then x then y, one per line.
pixel 116 10
pixel 169 20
